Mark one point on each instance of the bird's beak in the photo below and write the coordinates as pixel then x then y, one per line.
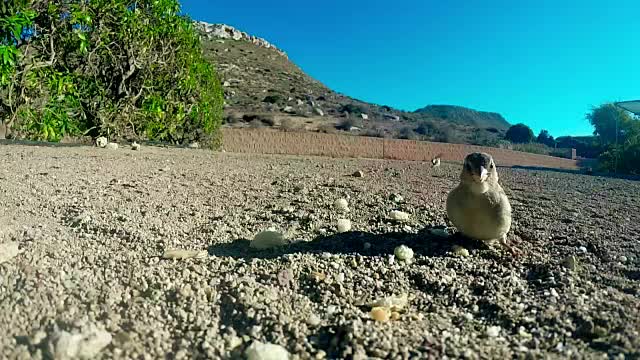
pixel 484 174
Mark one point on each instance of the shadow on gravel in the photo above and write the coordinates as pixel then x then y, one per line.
pixel 86 143
pixel 423 243
pixel 44 143
pixel 575 172
pixel 538 168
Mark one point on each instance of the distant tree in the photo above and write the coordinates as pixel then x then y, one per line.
pixel 406 133
pixel 545 138
pixel 619 134
pixel 606 119
pixel 425 128
pixel 519 134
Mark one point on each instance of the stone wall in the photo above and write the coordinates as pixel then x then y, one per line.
pixel 260 141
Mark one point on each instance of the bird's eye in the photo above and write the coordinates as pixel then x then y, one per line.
pixel 491 166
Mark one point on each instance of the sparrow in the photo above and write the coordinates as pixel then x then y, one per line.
pixel 478 206
pixel 435 162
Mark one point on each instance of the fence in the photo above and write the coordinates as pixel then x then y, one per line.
pixel 264 141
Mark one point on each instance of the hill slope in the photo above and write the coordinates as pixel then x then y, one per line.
pixel 465 116
pixel 264 88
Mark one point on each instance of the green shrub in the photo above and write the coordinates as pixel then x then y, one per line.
pixel 273 99
pixel 352 109
pixel 107 67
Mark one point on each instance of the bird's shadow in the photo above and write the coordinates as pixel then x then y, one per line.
pixel 423 243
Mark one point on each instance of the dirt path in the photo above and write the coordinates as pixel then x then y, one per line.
pixel 92 223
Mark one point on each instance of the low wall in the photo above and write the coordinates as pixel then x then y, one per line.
pixel 259 141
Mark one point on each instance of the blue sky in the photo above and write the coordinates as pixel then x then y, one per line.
pixel 543 63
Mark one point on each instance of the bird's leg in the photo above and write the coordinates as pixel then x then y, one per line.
pixel 505 243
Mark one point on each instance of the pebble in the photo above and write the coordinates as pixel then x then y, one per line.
pixel 112 146
pixel 460 251
pixel 267 239
pixel 8 251
pixel 344 225
pixel 396 215
pixel 184 254
pixel 101 142
pixel 570 263
pixel 403 253
pixel 493 331
pixel 266 351
pixel 441 232
pixel 314 320
pixel 358 174
pixel 380 314
pixel 135 146
pixel 341 205
pixel 85 345
pixel 582 249
pixel 623 259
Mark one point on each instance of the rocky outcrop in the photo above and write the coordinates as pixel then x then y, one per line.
pixel 223 31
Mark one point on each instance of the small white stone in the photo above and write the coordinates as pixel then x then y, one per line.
pixel 553 292
pixel 265 351
pixel 87 345
pixel 234 342
pixel 493 331
pixel 582 249
pixel 403 253
pixel 396 215
pixel 344 225
pixel 460 251
pixel 623 259
pixel 340 277
pixel 267 239
pixel 112 146
pixel 314 320
pixel 8 251
pixel 101 141
pixel 341 205
pixel 135 146
pixel 439 232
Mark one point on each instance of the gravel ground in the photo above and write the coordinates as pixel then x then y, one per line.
pixel 92 225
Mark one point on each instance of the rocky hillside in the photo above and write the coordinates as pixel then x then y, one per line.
pixel 264 88
pixel 465 116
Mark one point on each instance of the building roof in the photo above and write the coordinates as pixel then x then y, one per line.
pixel 632 106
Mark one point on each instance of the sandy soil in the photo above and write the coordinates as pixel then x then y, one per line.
pixel 92 225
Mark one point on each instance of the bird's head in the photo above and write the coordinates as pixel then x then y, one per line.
pixel 479 169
